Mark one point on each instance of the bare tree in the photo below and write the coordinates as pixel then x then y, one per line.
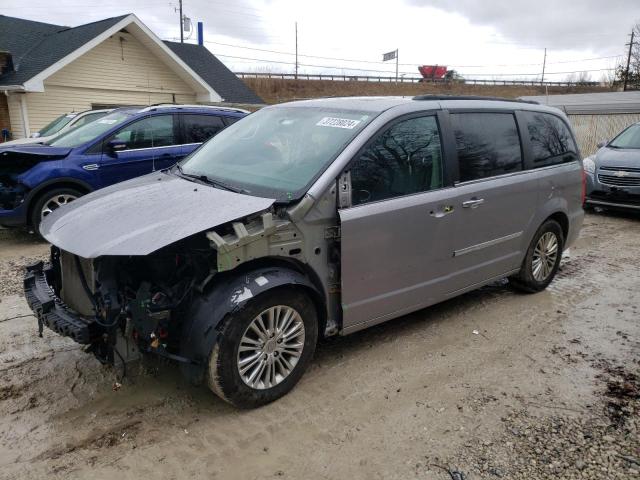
pixel 579 78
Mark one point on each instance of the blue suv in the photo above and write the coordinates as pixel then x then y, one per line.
pixel 129 142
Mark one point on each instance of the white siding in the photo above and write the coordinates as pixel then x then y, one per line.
pixel 119 71
pixel 44 107
pixel 120 63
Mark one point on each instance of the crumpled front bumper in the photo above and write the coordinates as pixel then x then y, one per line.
pixel 51 311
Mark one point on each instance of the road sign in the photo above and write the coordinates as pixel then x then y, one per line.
pixel 389 56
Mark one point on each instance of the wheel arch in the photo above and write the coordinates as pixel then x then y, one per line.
pixel 563 220
pixel 36 193
pixel 227 294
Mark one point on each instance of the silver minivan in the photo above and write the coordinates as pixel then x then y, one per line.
pixel 305 220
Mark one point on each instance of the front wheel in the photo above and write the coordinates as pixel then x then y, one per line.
pixel 263 350
pixel 542 260
pixel 50 201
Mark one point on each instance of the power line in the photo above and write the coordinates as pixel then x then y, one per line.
pixel 406 73
pixel 280 52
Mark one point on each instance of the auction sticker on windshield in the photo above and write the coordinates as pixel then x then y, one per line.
pixel 338 122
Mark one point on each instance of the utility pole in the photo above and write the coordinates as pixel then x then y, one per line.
pixel 544 64
pixel 181 24
pixel 296 77
pixel 396 65
pixel 626 74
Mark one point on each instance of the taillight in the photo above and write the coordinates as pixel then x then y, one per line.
pixel 584 186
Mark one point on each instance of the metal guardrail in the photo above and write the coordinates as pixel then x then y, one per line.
pixel 406 79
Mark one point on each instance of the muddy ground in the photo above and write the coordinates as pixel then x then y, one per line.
pixel 547 388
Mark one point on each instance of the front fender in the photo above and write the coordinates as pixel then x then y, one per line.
pixel 47 173
pixel 225 297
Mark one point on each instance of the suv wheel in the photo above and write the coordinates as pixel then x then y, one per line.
pixel 50 201
pixel 262 351
pixel 542 260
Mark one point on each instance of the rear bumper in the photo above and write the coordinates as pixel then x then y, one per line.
pixel 51 311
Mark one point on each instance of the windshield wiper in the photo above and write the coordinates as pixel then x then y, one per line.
pixel 211 181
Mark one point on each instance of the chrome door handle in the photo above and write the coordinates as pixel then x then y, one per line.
pixel 473 203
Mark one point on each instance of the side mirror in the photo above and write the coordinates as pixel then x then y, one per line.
pixel 115 146
pixel 35 135
pixel 602 143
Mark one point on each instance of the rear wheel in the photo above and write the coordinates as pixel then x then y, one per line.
pixel 542 260
pixel 49 202
pixel 263 350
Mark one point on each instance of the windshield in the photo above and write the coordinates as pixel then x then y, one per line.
pixel 81 135
pixel 277 152
pixel 629 138
pixel 56 125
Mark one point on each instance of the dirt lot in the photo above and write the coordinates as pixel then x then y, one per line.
pixel 546 387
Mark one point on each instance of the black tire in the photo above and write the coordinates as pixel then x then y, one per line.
pixel 224 377
pixel 525 280
pixel 48 197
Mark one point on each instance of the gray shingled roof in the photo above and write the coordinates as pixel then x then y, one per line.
pixel 215 73
pixel 35 46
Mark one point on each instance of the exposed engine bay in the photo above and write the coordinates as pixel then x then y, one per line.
pixel 137 298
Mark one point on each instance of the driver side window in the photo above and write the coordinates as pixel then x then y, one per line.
pixel 403 160
pixel 149 132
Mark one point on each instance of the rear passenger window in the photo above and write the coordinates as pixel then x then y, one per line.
pixel 550 138
pixel 403 160
pixel 200 128
pixel 488 144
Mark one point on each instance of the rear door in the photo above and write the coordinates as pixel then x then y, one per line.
pixel 495 196
pixel 395 251
pixel 150 144
pixel 197 129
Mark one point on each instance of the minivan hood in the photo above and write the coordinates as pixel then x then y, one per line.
pixel 618 157
pixel 140 216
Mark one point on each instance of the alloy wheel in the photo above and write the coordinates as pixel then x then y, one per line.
pixel 56 202
pixel 545 255
pixel 271 347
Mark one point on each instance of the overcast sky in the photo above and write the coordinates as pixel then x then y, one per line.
pixel 480 38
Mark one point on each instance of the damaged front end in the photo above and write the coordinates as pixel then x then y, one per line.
pixel 12 192
pixel 14 163
pixel 120 306
pixel 168 302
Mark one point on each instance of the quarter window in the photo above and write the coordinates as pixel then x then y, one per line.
pixel 149 132
pixel 200 128
pixel 488 144
pixel 405 159
pixel 550 138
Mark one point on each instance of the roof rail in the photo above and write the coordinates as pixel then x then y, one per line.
pixel 159 106
pixel 472 97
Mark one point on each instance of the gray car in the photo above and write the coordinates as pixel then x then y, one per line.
pixel 306 220
pixel 613 173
